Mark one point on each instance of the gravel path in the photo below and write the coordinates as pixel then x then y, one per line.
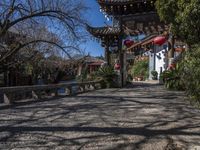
pixel 139 117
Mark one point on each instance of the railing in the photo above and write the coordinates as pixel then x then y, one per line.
pixel 9 94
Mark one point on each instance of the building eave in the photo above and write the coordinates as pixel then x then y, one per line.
pixel 103 31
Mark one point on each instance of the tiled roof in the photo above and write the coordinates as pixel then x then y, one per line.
pixel 96 64
pixel 148 40
pixel 145 41
pixel 126 7
pixel 90 59
pixel 102 31
pixel 134 45
pixel 118 1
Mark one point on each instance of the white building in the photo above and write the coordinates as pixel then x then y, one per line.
pixel 158 54
pixel 158 60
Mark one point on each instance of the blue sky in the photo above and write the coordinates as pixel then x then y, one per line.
pixel 96 19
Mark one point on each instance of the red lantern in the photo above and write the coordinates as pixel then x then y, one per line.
pixel 159 40
pixel 117 66
pixel 128 43
pixel 172 66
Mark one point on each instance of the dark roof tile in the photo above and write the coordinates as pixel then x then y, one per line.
pixel 102 31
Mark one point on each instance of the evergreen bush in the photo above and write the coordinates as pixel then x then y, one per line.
pixel 191 72
pixel 172 78
pixel 107 75
pixel 154 74
pixel 141 69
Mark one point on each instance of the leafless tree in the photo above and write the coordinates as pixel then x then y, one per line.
pixel 40 26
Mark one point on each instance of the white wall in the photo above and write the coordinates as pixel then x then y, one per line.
pixel 160 59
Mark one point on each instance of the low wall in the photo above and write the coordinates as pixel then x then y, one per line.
pixel 8 94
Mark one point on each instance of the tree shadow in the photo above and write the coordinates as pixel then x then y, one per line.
pixel 118 119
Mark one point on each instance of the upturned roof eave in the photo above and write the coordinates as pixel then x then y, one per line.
pixel 103 31
pixel 117 2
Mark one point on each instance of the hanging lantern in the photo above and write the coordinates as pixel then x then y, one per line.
pixel 159 40
pixel 128 43
pixel 117 66
pixel 172 66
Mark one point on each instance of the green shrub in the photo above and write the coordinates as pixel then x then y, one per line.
pixel 141 69
pixel 154 74
pixel 191 72
pixel 83 76
pixel 107 75
pixel 186 74
pixel 172 78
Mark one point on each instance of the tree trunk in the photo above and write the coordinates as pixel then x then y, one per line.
pixel 171 52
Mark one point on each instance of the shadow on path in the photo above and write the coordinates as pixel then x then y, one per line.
pixel 139 117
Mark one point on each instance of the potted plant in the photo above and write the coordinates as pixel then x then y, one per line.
pixel 154 75
pixel 140 78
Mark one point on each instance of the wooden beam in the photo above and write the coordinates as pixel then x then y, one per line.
pixel 121 56
pixel 107 52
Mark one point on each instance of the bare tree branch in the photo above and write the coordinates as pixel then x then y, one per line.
pixel 27 19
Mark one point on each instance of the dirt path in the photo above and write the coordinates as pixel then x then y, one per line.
pixel 139 117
